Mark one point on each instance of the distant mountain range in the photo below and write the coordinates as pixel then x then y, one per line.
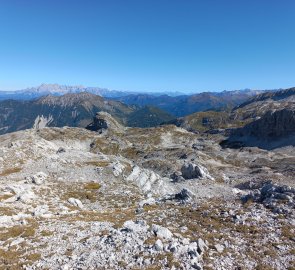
pixel 75 110
pixel 59 90
pixel 174 103
pixel 75 106
pixel 188 104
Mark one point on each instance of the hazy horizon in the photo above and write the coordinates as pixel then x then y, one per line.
pixel 185 92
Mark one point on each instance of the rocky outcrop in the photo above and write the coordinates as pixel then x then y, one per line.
pixel 148 181
pixel 274 129
pixel 279 198
pixel 41 121
pixel 272 126
pixel 104 121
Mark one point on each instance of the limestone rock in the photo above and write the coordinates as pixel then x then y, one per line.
pixel 192 171
pixel 39 178
pixel 158 246
pixel 184 195
pixel 162 232
pixel 75 202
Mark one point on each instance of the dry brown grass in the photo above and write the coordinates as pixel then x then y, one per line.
pixel 98 163
pixel 17 231
pixel 7 211
pixel 115 216
pixel 5 197
pixel 9 171
pixel 9 259
pixel 92 186
pixel 87 191
pixel 46 233
pixel 287 231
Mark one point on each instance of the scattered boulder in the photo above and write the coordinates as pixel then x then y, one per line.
pixel 158 246
pixel 219 248
pixel 145 179
pixel 135 227
pixel 177 177
pixel 192 171
pixel 26 196
pixel 75 202
pixel 149 201
pixel 184 196
pixel 60 150
pixel 118 169
pixel 201 246
pixel 279 198
pixel 162 232
pixel 38 179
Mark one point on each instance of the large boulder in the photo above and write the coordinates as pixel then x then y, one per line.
pixel 192 171
pixel 162 232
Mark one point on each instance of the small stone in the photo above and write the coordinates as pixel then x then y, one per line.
pixel 60 150
pixel 39 178
pixel 158 246
pixel 149 201
pixel 201 246
pixel 219 248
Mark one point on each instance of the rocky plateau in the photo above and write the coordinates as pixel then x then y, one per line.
pixel 113 197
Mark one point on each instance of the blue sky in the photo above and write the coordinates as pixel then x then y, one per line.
pixel 148 45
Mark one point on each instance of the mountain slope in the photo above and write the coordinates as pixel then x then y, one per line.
pixel 76 110
pixel 148 117
pixel 188 104
pixel 251 110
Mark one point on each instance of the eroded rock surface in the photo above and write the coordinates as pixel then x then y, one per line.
pixel 107 201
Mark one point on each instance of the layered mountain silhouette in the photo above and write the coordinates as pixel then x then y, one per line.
pixel 74 110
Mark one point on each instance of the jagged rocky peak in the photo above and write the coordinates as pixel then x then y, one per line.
pixel 104 121
pixel 56 88
pixel 271 95
pixel 70 99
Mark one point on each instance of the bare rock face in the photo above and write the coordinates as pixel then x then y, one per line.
pixel 274 129
pixel 271 126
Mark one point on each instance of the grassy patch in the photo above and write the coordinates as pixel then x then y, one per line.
pixel 18 231
pixel 46 233
pixel 92 186
pixel 99 163
pixel 9 171
pixel 287 231
pixel 9 259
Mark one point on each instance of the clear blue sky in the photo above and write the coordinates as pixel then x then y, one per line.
pixel 148 45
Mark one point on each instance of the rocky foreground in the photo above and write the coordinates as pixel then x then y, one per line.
pixel 130 198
